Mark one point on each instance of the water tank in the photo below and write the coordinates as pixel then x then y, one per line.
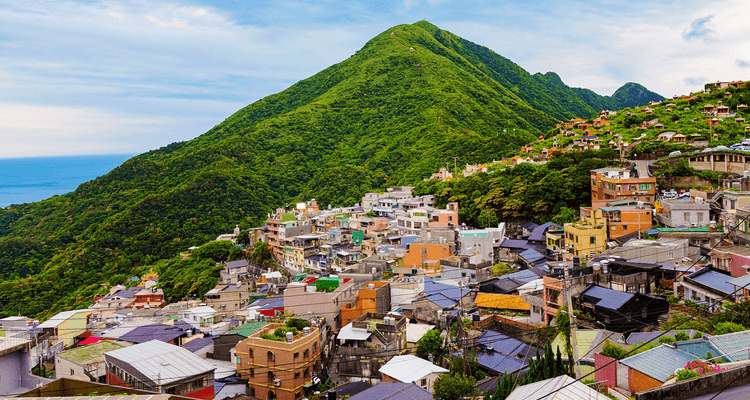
pixel 371 286
pixel 605 266
pixel 374 270
pixel 640 204
pixel 746 174
pixel 289 337
pixel 331 394
pixel 305 330
pixel 597 267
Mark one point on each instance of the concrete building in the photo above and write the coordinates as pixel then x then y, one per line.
pixel 734 259
pixel 324 298
pixel 610 184
pixel 228 299
pixel 588 237
pixel 86 362
pixel 65 326
pixel 368 342
pixel 283 368
pixel 481 242
pixel 375 297
pixel 15 365
pixel 683 213
pixel 624 217
pixel 652 251
pixel 420 255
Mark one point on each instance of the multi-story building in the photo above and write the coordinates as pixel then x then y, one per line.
pixel 228 299
pixel 587 238
pixel 278 369
pixel 323 297
pixel 368 342
pixel 610 184
pixel 66 325
pixel 676 213
pixel 149 298
pixel 296 249
pixel 419 255
pixel 624 217
pixel 374 298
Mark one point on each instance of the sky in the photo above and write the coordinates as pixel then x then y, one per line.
pixel 98 77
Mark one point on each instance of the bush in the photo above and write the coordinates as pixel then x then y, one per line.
pixel 613 351
pixel 297 323
pixel 685 374
pixel 681 336
pixel 728 327
pixel 672 299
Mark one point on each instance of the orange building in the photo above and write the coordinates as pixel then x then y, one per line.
pixel 376 298
pixel 278 370
pixel 427 254
pixel 611 184
pixel 445 218
pixel 624 217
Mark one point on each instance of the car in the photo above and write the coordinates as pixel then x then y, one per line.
pixel 721 147
pixel 674 153
pixel 746 142
pixel 706 150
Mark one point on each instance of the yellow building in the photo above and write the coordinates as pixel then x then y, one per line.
pixel 587 237
pixel 67 325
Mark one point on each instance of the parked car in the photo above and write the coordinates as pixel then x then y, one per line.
pixel 674 153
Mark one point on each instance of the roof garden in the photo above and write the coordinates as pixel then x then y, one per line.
pixel 91 353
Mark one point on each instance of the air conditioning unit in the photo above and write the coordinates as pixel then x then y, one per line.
pixel 277 382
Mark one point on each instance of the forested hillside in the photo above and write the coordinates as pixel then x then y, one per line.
pixel 393 113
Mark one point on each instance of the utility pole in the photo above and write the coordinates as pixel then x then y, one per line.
pixel 567 288
pixel 460 330
pixel 455 168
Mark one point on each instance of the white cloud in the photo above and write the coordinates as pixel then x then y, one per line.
pixel 200 12
pixel 174 24
pixel 116 15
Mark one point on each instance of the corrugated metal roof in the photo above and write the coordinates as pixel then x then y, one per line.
pixel 441 301
pixel 162 363
pixel 637 337
pixel 740 282
pixel 349 332
pixel 659 363
pixel 560 388
pixel 585 340
pixel 537 235
pixel 713 279
pixel 506 301
pixel 732 345
pixel 531 255
pixel 164 333
pixel 409 368
pixel 391 390
pixel 59 318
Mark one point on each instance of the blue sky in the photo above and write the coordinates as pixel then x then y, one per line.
pixel 93 77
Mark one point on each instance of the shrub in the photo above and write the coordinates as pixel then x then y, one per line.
pixel 681 336
pixel 728 327
pixel 613 351
pixel 672 299
pixel 685 374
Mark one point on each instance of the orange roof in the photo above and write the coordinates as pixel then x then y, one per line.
pixel 505 301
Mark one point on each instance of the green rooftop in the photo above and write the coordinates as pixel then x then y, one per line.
pixel 248 329
pixel 287 217
pixel 585 340
pixel 91 353
pixel 696 229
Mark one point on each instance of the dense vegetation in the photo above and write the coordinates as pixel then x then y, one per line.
pixel 540 193
pixel 391 114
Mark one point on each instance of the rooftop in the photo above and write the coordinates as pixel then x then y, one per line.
pixel 162 362
pixel 91 353
pixel 409 368
pixel 248 329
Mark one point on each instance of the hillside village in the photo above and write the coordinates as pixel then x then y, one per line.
pixel 396 297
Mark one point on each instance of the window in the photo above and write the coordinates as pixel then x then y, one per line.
pixel 315 347
pixel 424 383
pixel 296 375
pixel 239 360
pixel 307 372
pixel 614 228
pixel 671 256
pixel 592 240
pixel 271 377
pixel 252 391
pixel 271 356
pixel 307 353
pixel 296 354
pixel 72 372
pixel 686 216
pixel 251 372
pixel 250 352
pixel 644 313
pixel 700 216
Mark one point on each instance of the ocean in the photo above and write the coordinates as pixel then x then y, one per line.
pixel 24 180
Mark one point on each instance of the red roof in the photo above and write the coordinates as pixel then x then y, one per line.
pixel 90 340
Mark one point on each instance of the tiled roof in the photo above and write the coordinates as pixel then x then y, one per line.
pixel 390 390
pixel 537 235
pixel 141 334
pixel 197 344
pixel 515 244
pixel 713 279
pixel 732 345
pixel 505 301
pixel 532 255
pixel 608 298
pixel 560 388
pixel 637 337
pixel 162 362
pixel 658 363
pixel 502 353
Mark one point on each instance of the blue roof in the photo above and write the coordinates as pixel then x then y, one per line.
pixel 588 137
pixel 740 282
pixel 529 225
pixel 268 303
pixel 515 244
pixel 713 279
pixel 452 292
pixel 608 298
pixel 506 354
pixel 637 337
pixel 733 345
pixel 142 334
pixel 532 255
pixel 537 235
pixel 659 363
pixel 352 388
pixel 441 301
pixel 197 344
pixel 392 390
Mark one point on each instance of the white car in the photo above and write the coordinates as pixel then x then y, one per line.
pixel 674 153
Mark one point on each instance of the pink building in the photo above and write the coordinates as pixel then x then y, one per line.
pixel 735 259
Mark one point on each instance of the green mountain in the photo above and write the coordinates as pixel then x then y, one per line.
pixel 393 113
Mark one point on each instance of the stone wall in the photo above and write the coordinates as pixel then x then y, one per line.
pixel 669 183
pixel 699 386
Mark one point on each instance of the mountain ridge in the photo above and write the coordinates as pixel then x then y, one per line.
pixel 390 114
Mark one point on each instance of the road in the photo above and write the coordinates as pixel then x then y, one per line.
pixel 642 167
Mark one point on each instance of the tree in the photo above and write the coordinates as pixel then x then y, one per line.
pixel 261 254
pixel 562 320
pixel 613 351
pixel 728 327
pixel 243 239
pixel 501 269
pixel 453 387
pixel 430 343
pixel 217 250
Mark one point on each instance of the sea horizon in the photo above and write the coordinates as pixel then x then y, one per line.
pixel 30 179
